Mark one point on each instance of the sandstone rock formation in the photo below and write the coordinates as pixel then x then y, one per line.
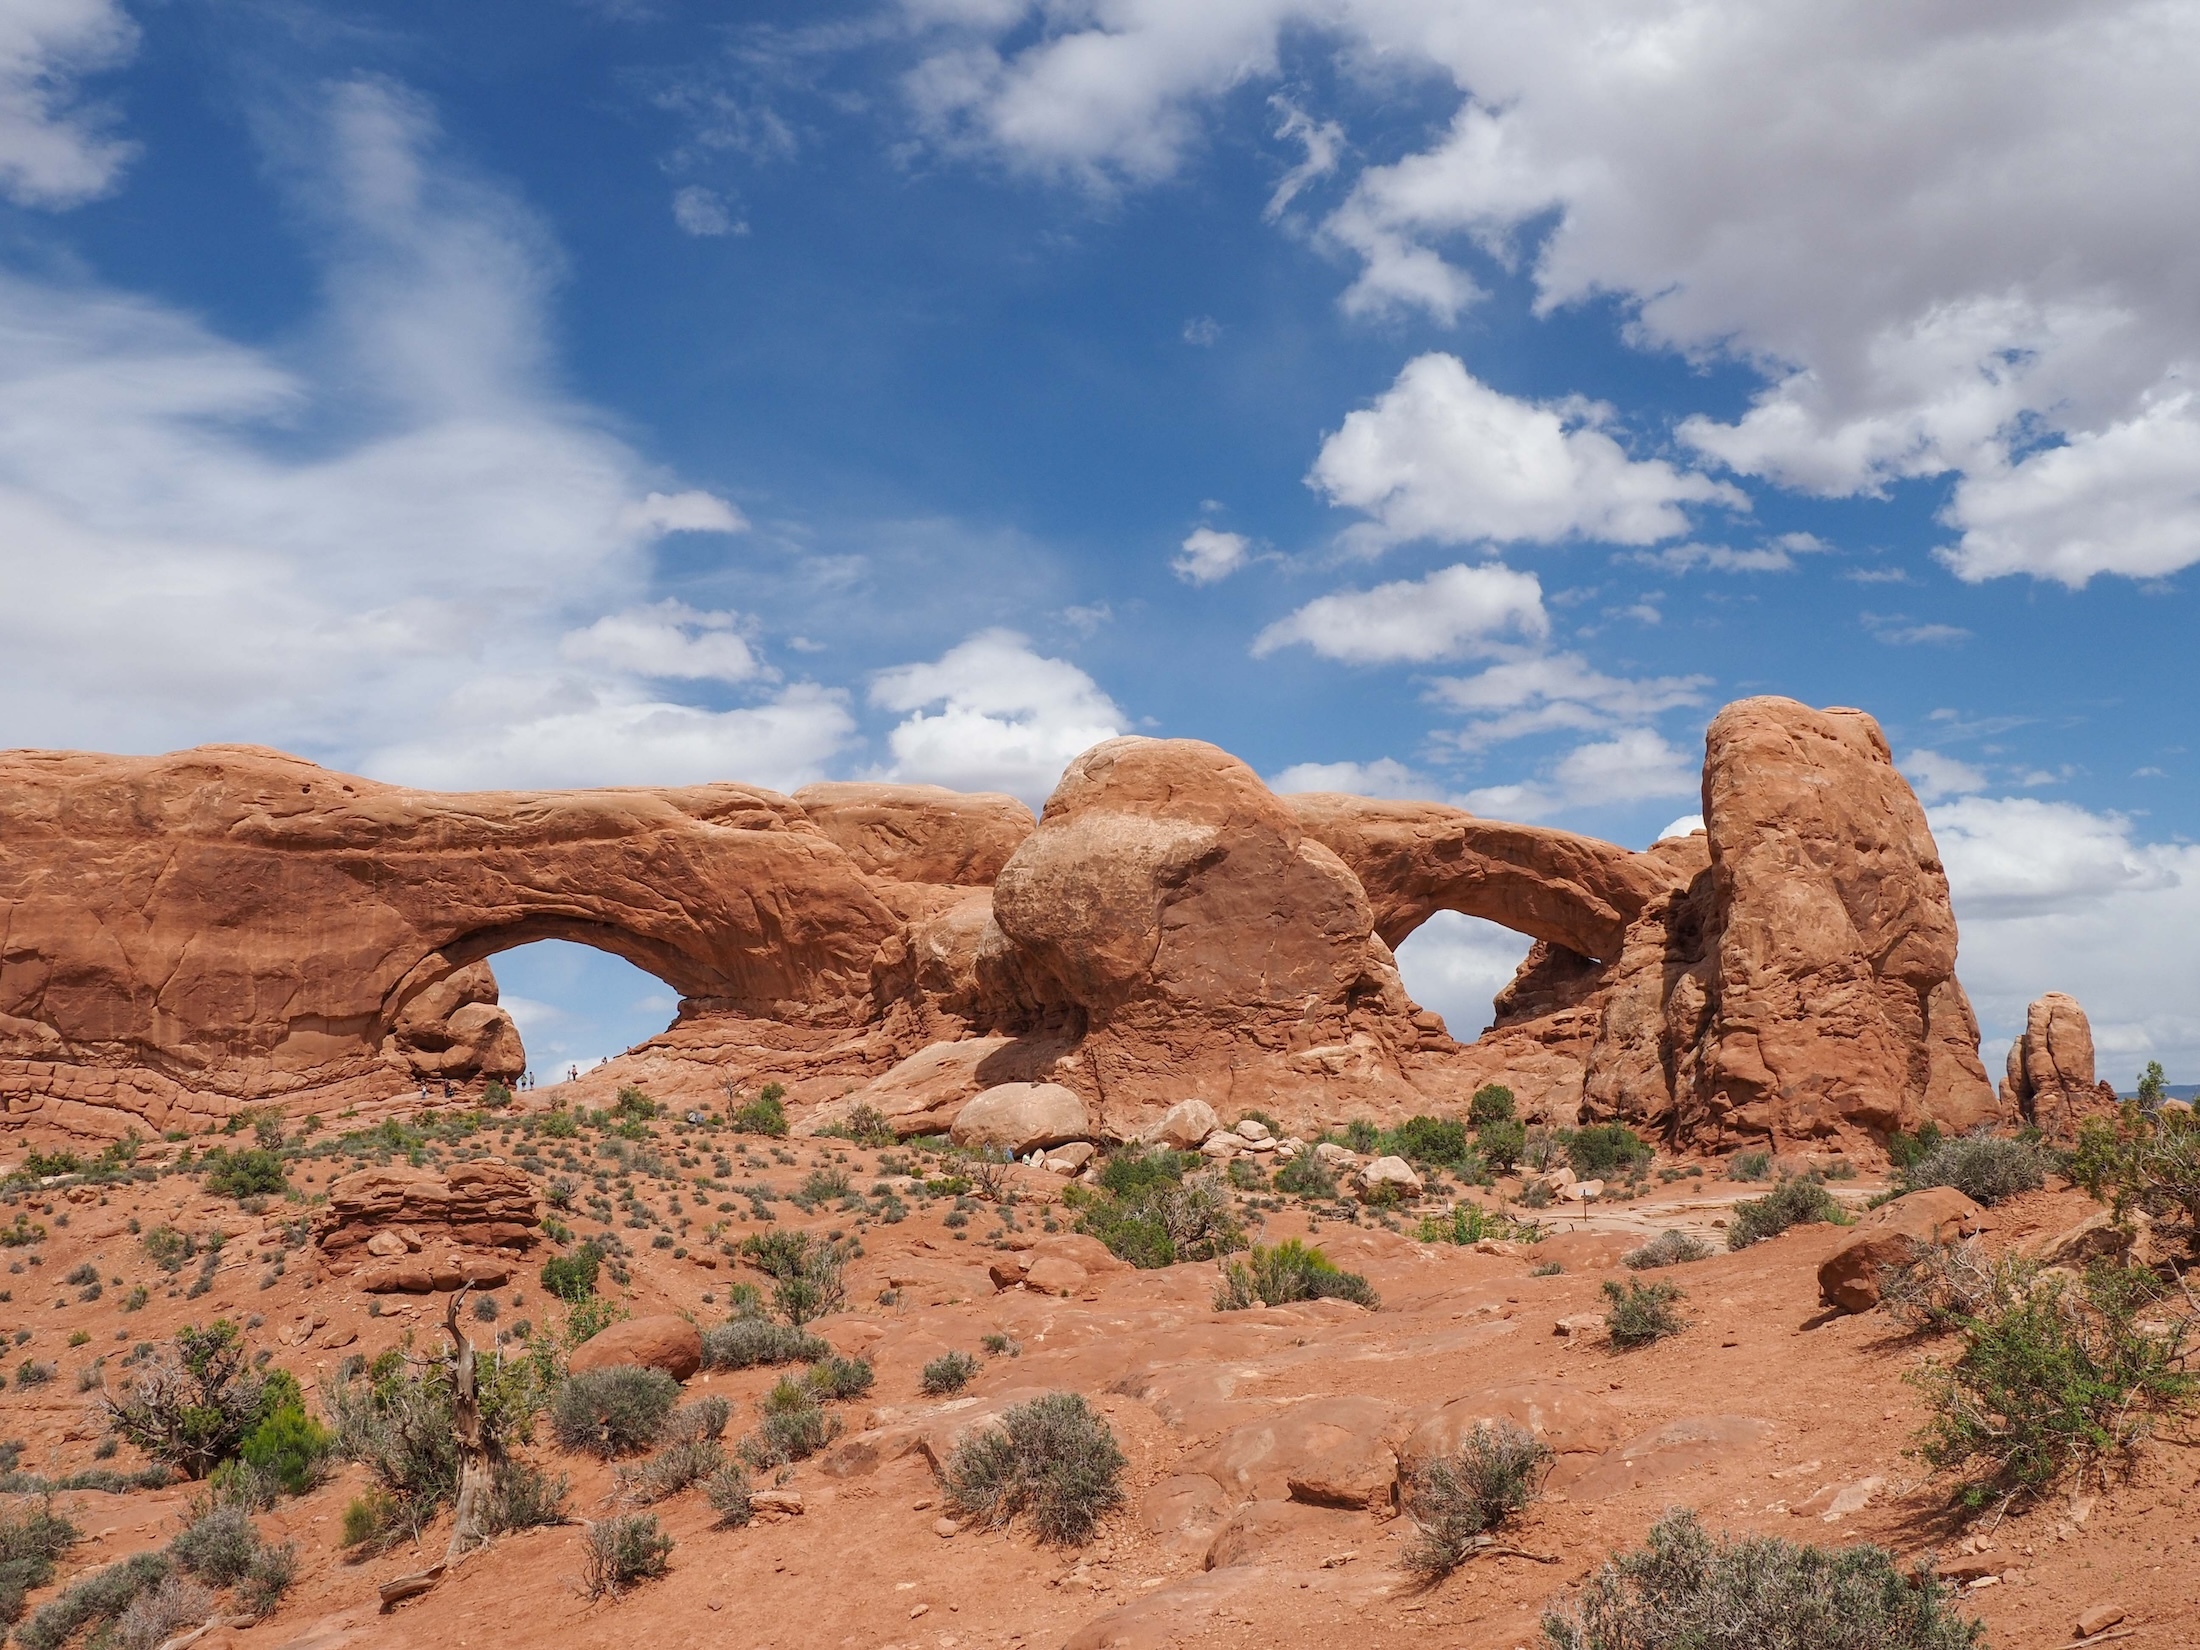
pixel 193 932
pixel 2050 1080
pixel 1849 1277
pixel 391 1212
pixel 660 1341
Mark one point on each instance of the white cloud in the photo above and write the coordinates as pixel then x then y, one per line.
pixel 1538 693
pixel 55 151
pixel 1686 825
pixel 1385 776
pixel 1441 455
pixel 992 715
pixel 1209 556
pixel 1934 775
pixel 667 639
pixel 689 512
pixel 1952 230
pixel 1635 765
pixel 1415 620
pixel 182 566
pixel 1456 964
pixel 1898 630
pixel 1202 331
pixel 1776 557
pixel 1323 141
pixel 704 212
pixel 2125 499
pixel 2053 897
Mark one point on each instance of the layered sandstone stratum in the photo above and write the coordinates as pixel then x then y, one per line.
pixel 185 935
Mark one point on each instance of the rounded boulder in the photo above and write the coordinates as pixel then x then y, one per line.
pixel 1021 1117
pixel 663 1342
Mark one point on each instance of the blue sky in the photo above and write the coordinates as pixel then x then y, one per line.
pixel 1428 397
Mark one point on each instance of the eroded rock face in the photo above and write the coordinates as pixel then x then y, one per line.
pixel 484 1206
pixel 2050 1078
pixel 194 932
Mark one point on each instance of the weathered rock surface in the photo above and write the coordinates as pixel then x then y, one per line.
pixel 1018 1117
pixel 661 1341
pixel 192 932
pixel 1849 1277
pixel 2050 1079
pixel 477 1206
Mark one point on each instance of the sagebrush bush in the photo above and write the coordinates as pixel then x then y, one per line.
pixel 1471 1223
pixel 1981 1165
pixel 1749 1166
pixel 1305 1177
pixel 97 1599
pixel 705 1417
pixel 1159 1220
pixel 1666 1249
pixel 2144 1162
pixel 673 1468
pixel 31 1540
pixel 727 1491
pixel 1687 1588
pixel 1052 1460
pixel 1801 1200
pixel 1456 1498
pixel 615 1411
pixel 747 1343
pixel 521 1497
pixel 1639 1313
pixel 572 1277
pixel 838 1378
pixel 1290 1271
pixel 807 1272
pixel 948 1374
pixel 2055 1377
pixel 791 1426
pixel 1938 1286
pixel 218 1546
pixel 174 1604
pixel 267 1579
pixel 290 1447
pixel 618 1552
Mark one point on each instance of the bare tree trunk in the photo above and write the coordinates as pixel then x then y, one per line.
pixel 474 1469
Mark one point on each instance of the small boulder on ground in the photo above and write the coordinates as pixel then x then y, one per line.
pixel 661 1342
pixel 1849 1277
pixel 1388 1176
pixel 1185 1126
pixel 1021 1118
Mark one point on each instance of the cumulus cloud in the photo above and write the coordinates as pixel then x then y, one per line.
pixel 1635 765
pixel 667 639
pixel 181 566
pixel 1952 233
pixel 1450 612
pixel 55 150
pixel 1208 556
pixel 1385 776
pixel 1686 825
pixel 1778 556
pixel 993 715
pixel 1455 965
pixel 2054 897
pixel 1440 455
pixel 703 212
pixel 1935 774
pixel 1539 693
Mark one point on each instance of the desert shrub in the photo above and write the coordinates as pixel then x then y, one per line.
pixel 948 1374
pixel 1801 1200
pixel 1162 1216
pixel 1549 1269
pixel 673 1468
pixel 1290 1271
pixel 840 1378
pixel 398 1425
pixel 1501 1144
pixel 765 1115
pixel 1438 1140
pixel 30 1372
pixel 558 1125
pixel 615 1411
pixel 1639 1313
pixel 1052 1459
pixel 521 1497
pixel 1492 1103
pixel 1455 1498
pixel 2145 1163
pixel 97 1599
pixel 621 1551
pixel 30 1542
pixel 267 1579
pixel 807 1273
pixel 1604 1149
pixel 704 1418
pixel 1905 1149
pixel 1749 1166
pixel 1535 1195
pixel 746 1343
pixel 1939 1285
pixel 193 1404
pixel 572 1277
pixel 253 1172
pixel 2054 1377
pixel 366 1517
pixel 727 1491
pixel 1687 1588
pixel 1666 1249
pixel 791 1426
pixel 218 1546
pixel 1305 1177
pixel 1981 1165
pixel 1471 1223
pixel 290 1447
pixel 171 1605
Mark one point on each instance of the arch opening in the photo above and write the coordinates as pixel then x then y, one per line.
pixel 577 1005
pixel 1455 965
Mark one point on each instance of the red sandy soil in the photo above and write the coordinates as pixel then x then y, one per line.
pixel 1764 1402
